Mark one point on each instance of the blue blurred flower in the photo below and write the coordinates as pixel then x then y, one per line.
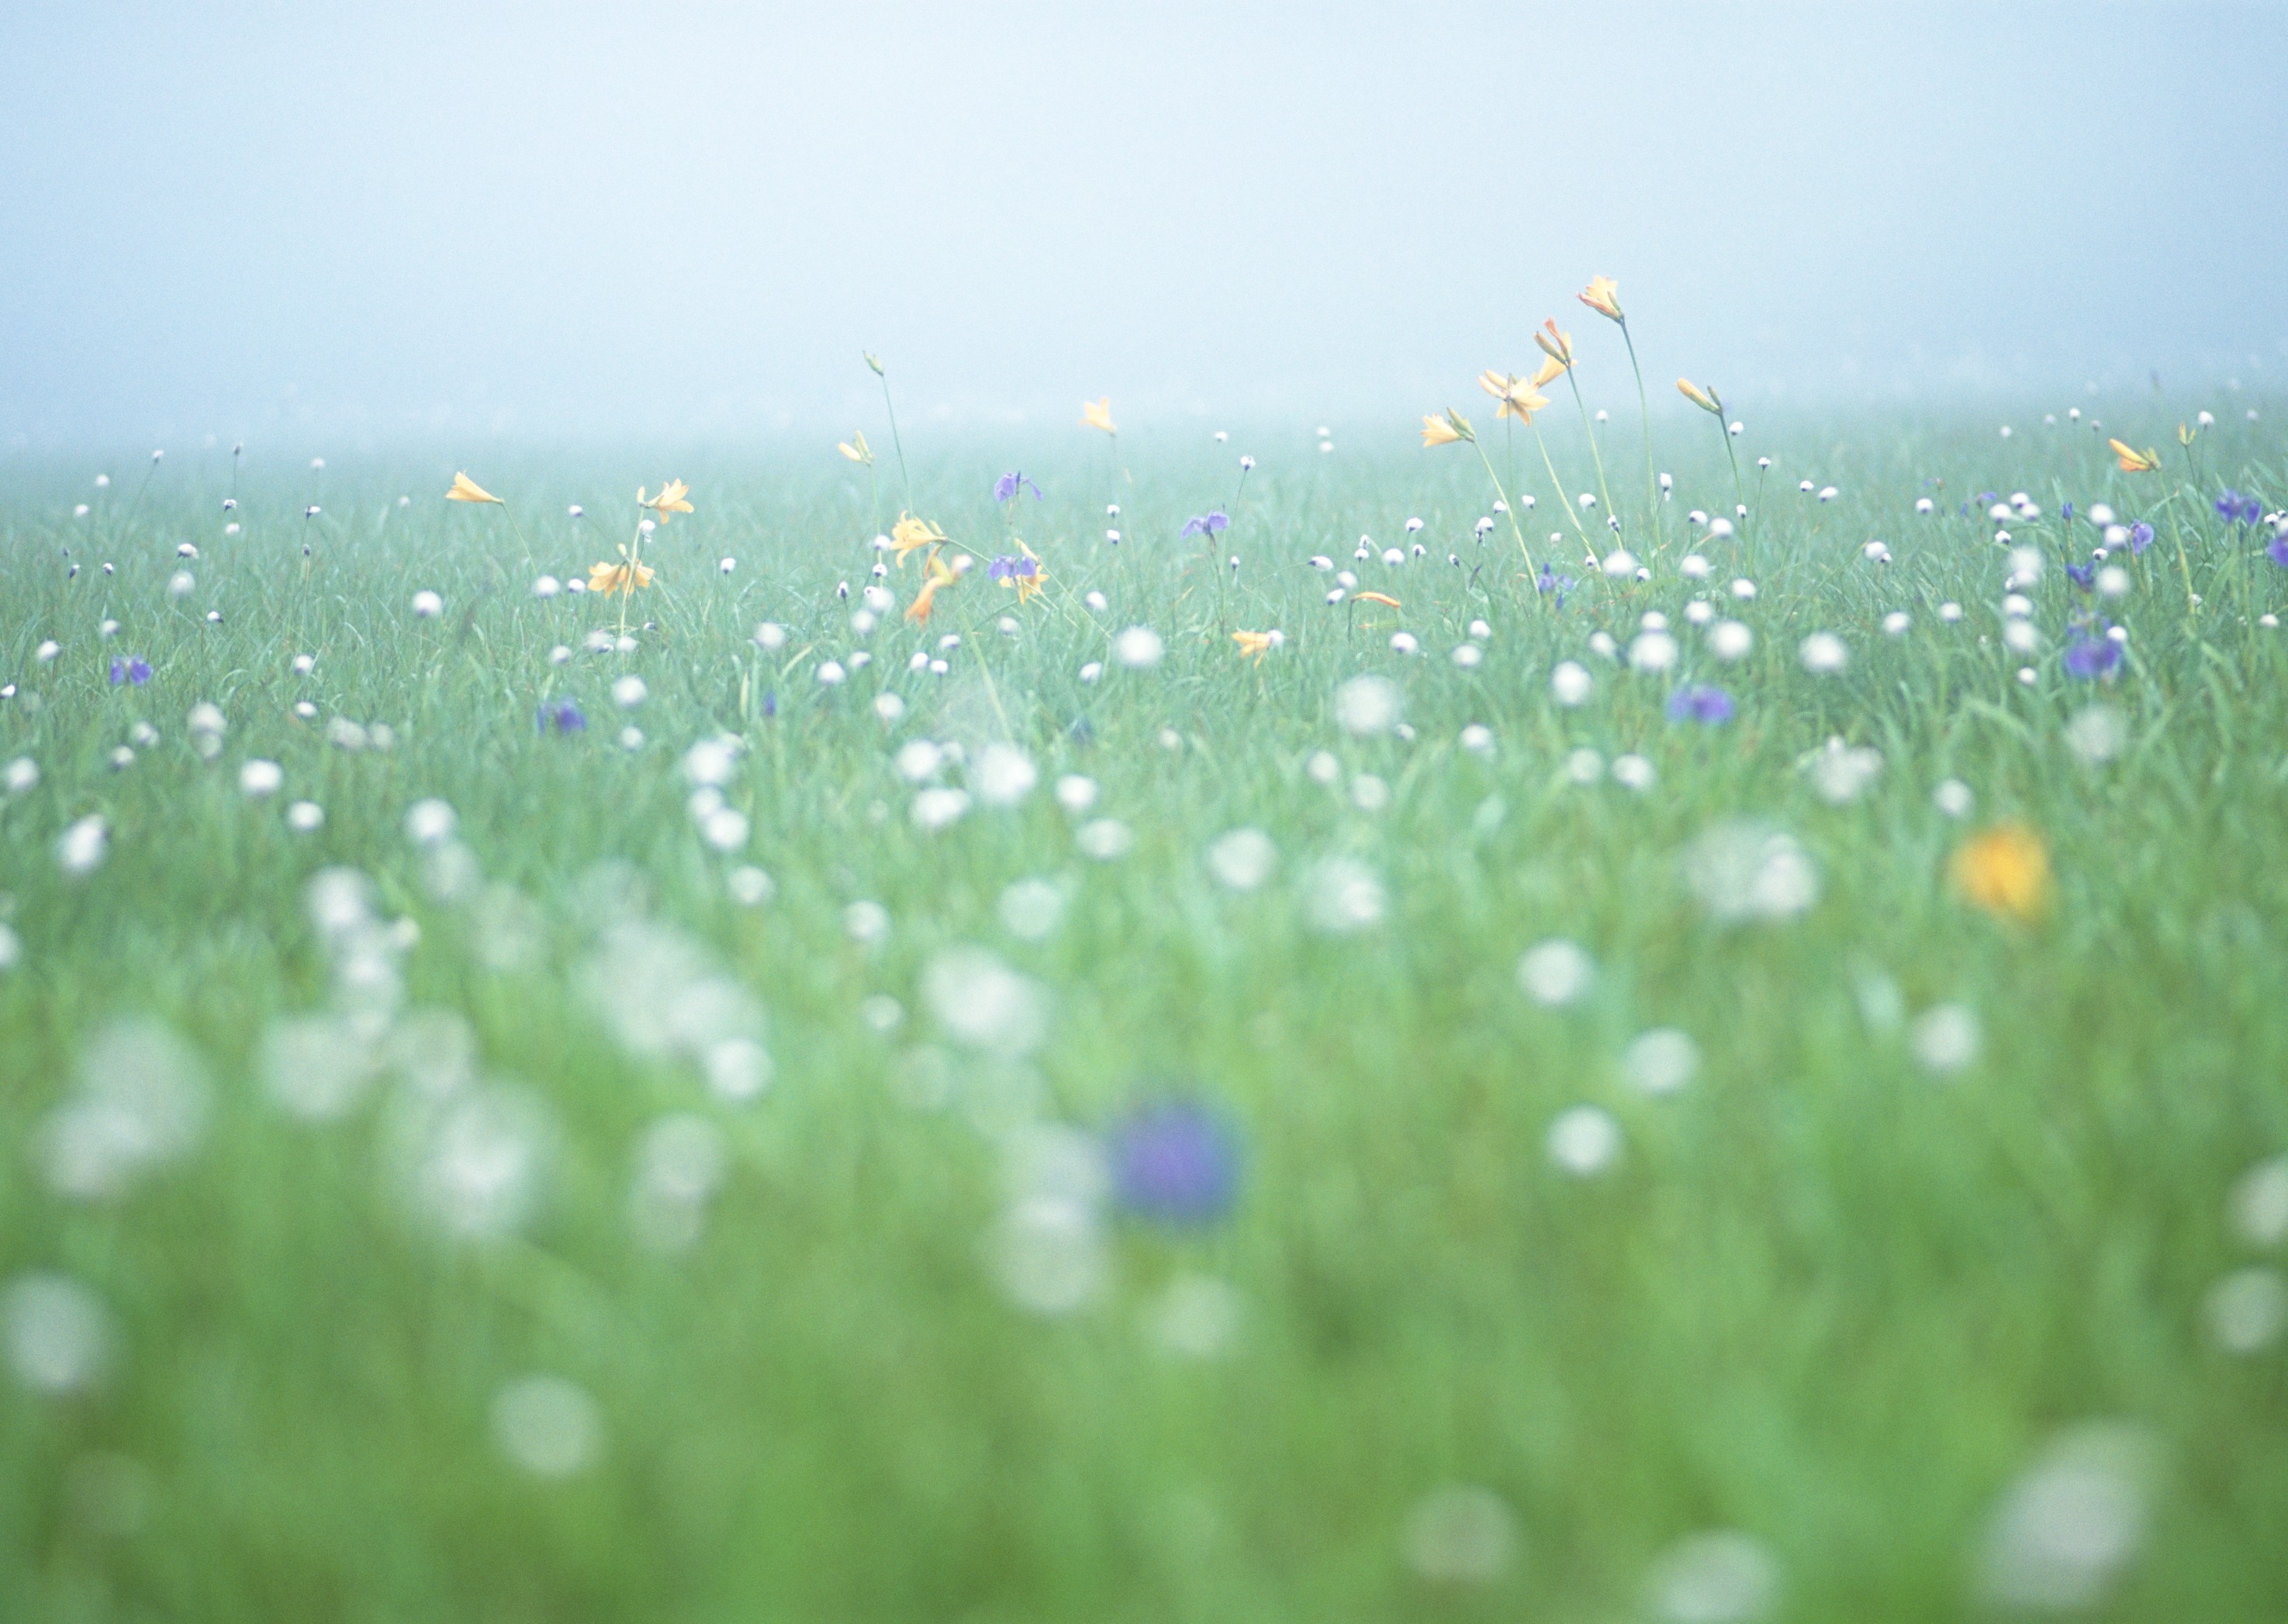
pixel 1551 582
pixel 1011 484
pixel 134 668
pixel 1175 1160
pixel 2141 537
pixel 1711 706
pixel 2066 512
pixel 1009 568
pixel 562 716
pixel 2239 509
pixel 2083 576
pixel 2090 652
pixel 1207 524
pixel 2278 551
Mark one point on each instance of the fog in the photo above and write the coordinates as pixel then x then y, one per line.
pixel 604 219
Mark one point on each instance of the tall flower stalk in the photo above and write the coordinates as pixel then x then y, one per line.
pixel 1603 296
pixel 1451 429
pixel 881 372
pixel 1708 400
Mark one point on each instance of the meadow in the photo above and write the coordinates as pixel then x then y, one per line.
pixel 1746 1080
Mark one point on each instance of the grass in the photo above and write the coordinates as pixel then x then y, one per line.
pixel 1825 1296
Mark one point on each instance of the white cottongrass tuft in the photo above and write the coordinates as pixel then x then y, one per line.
pixel 1367 706
pixel 1138 647
pixel 1556 972
pixel 1570 684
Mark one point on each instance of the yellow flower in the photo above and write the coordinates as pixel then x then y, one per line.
pixel 2133 461
pixel 1374 598
pixel 465 489
pixel 909 533
pixel 1556 345
pixel 1446 431
pixel 2005 871
pixel 1252 645
pixel 1098 415
pixel 1603 296
pixel 1550 370
pixel 859 452
pixel 622 577
pixel 2185 435
pixel 935 577
pixel 1705 398
pixel 1027 585
pixel 1517 397
pixel 670 499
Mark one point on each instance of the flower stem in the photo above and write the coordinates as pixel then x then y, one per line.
pixel 1558 484
pixel 903 478
pixel 1652 486
pixel 1596 455
pixel 1508 507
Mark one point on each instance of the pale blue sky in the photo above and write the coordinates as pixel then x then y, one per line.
pixel 689 218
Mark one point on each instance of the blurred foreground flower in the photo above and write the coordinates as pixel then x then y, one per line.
pixel 2005 871
pixel 1098 415
pixel 1175 1160
pixel 134 668
pixel 465 489
pixel 1025 574
pixel 2133 461
pixel 562 716
pixel 1709 706
pixel 1254 645
pixel 938 574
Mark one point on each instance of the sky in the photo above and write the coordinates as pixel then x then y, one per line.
pixel 600 220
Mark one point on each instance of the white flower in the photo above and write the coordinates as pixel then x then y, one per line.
pixel 1953 797
pixel 1242 859
pixel 1138 647
pixel 1366 706
pixel 547 586
pixel 1584 1141
pixel 80 849
pixel 1556 972
pixel 1946 1038
pixel 1730 640
pixel 1570 685
pixel 629 691
pixel 428 605
pixel 831 673
pixel 1076 792
pixel 1823 653
pixel 305 817
pixel 1895 624
pixel 1652 651
pixel 260 779
pixel 1633 771
pixel 431 823
pixel 1003 775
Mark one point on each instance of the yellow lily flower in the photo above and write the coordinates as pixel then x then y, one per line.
pixel 1517 397
pixel 465 489
pixel 2133 461
pixel 911 534
pixel 1556 345
pixel 2005 871
pixel 623 577
pixel 1550 370
pixel 1705 398
pixel 1603 296
pixel 860 452
pixel 1374 598
pixel 936 575
pixel 1098 415
pixel 1027 585
pixel 2186 436
pixel 670 499
pixel 1447 430
pixel 1252 645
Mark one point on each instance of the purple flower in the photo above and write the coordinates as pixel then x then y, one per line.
pixel 1711 706
pixel 1011 484
pixel 2083 576
pixel 1009 568
pixel 134 668
pixel 2239 509
pixel 1175 1160
pixel 2090 652
pixel 2066 512
pixel 561 717
pixel 2141 537
pixel 2278 551
pixel 1207 523
pixel 1552 583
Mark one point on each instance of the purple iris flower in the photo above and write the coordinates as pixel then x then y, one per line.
pixel 560 716
pixel 134 668
pixel 1011 484
pixel 2066 512
pixel 1008 567
pixel 1711 706
pixel 2278 551
pixel 2239 509
pixel 1175 1160
pixel 2090 654
pixel 2083 576
pixel 1207 523
pixel 2141 537
pixel 1552 582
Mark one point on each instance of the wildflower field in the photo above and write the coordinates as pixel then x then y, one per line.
pixel 1665 1022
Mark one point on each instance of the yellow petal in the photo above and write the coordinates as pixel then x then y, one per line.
pixel 1098 415
pixel 465 489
